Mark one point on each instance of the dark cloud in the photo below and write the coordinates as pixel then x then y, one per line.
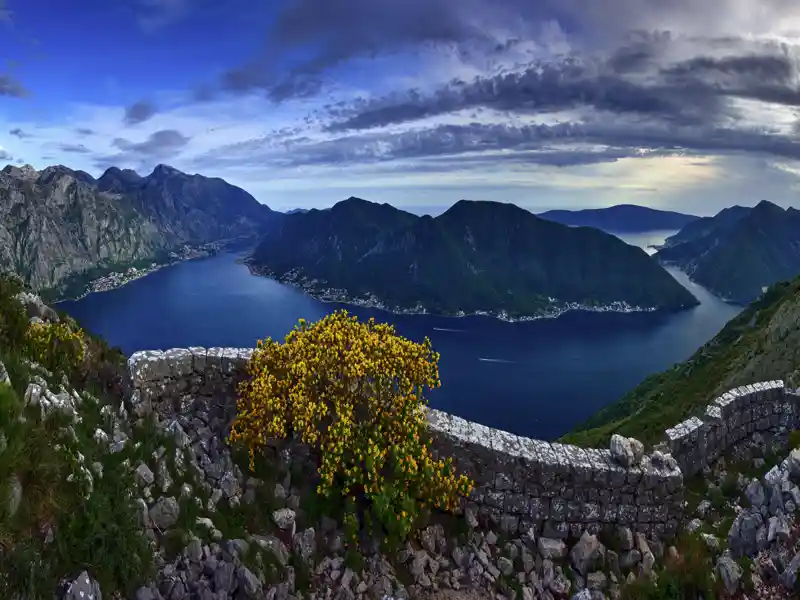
pixel 630 80
pixel 5 155
pixel 74 148
pixel 11 87
pixel 17 132
pixel 84 131
pixel 765 77
pixel 161 142
pixel 540 88
pixel 141 156
pixel 139 112
pixel 461 147
pixel 329 33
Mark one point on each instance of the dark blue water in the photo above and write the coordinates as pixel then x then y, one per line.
pixel 538 379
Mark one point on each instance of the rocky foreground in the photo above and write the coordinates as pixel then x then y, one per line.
pixel 217 531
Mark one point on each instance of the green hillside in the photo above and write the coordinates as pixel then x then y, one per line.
pixel 761 343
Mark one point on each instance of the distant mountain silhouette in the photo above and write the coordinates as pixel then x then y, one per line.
pixel 705 225
pixel 622 218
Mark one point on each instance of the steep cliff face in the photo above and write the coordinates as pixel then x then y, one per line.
pixel 192 208
pixel 58 222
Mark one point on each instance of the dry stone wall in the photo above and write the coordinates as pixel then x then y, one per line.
pixel 766 407
pixel 558 490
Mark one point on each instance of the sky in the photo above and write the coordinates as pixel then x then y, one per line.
pixel 683 105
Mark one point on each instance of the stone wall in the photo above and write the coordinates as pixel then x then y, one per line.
pixel 766 407
pixel 556 489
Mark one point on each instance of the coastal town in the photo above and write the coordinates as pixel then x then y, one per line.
pixel 114 280
pixel 319 290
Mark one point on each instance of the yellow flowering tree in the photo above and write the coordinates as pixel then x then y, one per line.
pixel 55 346
pixel 353 391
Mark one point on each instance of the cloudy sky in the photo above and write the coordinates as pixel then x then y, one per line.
pixel 677 104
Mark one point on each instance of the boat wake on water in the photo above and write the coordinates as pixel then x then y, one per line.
pixel 496 360
pixel 446 329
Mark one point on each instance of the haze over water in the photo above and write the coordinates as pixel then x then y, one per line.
pixel 537 378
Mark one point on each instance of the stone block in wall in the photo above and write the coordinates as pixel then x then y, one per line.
pixel 147 365
pixel 229 358
pixel 539 509
pixel 180 362
pixel 726 401
pixel 557 530
pixel 198 359
pixel 687 444
pixel 213 359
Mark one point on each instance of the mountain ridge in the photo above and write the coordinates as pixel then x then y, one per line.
pixel 476 256
pixel 58 223
pixel 740 251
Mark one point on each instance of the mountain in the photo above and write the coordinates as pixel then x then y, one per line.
pixel 762 343
pixel 476 256
pixel 623 218
pixel 58 223
pixel 296 210
pixel 742 252
pixel 192 208
pixel 706 225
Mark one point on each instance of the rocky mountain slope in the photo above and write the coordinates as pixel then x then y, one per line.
pixel 476 256
pixel 741 251
pixel 622 218
pixel 110 494
pixel 761 343
pixel 58 222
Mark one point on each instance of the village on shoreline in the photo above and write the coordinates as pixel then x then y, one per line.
pixel 117 279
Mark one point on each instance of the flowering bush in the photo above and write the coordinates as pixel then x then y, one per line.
pixel 55 346
pixel 354 392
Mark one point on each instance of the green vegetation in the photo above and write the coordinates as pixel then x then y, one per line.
pixel 735 254
pixel 476 256
pixel 67 503
pixel 762 343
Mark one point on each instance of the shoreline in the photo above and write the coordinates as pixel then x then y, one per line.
pixel 138 274
pixel 374 303
pixel 721 298
pixel 144 274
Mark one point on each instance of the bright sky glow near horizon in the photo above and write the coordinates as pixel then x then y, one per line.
pixel 683 105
